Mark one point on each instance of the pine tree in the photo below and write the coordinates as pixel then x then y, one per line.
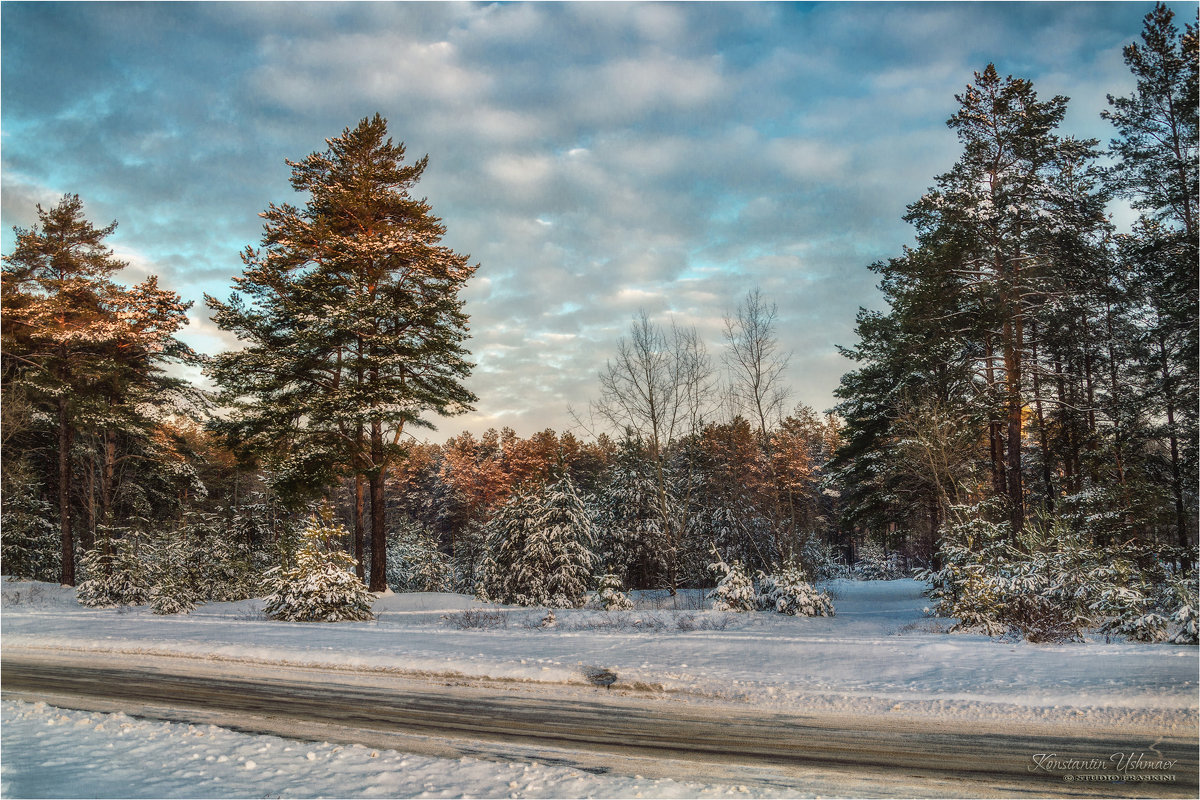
pixel 509 577
pixel 1156 152
pixel 629 520
pixel 89 350
pixel 353 323
pixel 117 576
pixel 173 563
pixel 539 546
pixel 415 562
pixel 1157 149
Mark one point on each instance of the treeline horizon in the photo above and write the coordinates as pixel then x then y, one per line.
pixel 1034 367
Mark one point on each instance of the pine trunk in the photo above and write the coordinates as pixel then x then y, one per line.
pixel 67 571
pixel 1047 476
pixel 1114 389
pixel 1012 369
pixel 359 534
pixel 378 581
pixel 995 441
pixel 88 535
pixel 1176 471
pixel 108 473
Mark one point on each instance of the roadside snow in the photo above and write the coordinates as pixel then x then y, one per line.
pixel 50 752
pixel 880 654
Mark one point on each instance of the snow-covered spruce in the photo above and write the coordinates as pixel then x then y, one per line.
pixel 321 586
pixel 114 574
pixel 416 564
pixel 735 590
pixel 821 561
pixel 173 557
pixel 876 565
pixel 1182 594
pixel 612 596
pixel 540 549
pixel 787 592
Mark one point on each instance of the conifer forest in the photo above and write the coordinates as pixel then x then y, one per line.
pixel 1016 425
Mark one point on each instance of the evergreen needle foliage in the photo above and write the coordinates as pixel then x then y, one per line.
pixel 321 586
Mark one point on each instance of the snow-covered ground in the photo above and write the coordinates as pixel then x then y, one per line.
pixel 49 752
pixel 881 654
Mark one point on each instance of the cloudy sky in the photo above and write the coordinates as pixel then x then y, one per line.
pixel 594 158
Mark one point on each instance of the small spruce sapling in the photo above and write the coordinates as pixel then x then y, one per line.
pixel 876 565
pixel 612 596
pixel 173 592
pixel 322 586
pixel 735 590
pixel 114 575
pixel 788 592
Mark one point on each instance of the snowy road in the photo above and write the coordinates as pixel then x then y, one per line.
pixel 599 730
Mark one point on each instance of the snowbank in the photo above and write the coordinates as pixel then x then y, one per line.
pixel 50 752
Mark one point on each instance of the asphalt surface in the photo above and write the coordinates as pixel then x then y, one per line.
pixel 600 730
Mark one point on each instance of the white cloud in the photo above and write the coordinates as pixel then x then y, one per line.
pixel 594 158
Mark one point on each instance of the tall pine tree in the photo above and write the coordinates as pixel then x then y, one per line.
pixel 88 351
pixel 353 324
pixel 1156 168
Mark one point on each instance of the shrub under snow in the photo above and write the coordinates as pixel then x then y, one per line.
pixel 1054 585
pixel 735 590
pixel 787 592
pixel 321 586
pixel 612 595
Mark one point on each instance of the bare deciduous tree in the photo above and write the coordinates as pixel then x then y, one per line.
pixel 755 363
pixel 659 389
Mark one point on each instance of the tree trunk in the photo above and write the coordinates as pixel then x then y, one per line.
pixel 1047 477
pixel 1012 370
pixel 359 536
pixel 108 474
pixel 995 441
pixel 88 535
pixel 1071 477
pixel 67 571
pixel 1176 472
pixel 1114 390
pixel 378 581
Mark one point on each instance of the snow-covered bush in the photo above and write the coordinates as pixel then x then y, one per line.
pixel 114 574
pixel 1055 585
pixel 612 595
pixel 735 590
pixel 321 586
pixel 876 565
pixel 787 592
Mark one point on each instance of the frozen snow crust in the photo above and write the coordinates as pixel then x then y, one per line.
pixel 880 654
